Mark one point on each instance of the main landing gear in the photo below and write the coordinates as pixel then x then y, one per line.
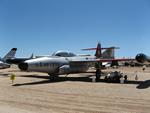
pixel 98 66
pixel 98 74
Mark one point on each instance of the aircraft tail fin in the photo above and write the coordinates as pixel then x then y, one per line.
pixel 108 53
pixel 10 54
pixel 98 50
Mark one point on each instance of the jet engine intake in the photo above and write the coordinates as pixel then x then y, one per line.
pixel 23 66
pixel 141 58
pixel 65 69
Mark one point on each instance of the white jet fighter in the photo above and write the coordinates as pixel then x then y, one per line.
pixel 66 63
pixel 9 55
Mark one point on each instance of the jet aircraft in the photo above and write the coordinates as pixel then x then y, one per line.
pixel 66 63
pixel 9 55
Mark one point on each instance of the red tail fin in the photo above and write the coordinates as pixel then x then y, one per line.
pixel 98 52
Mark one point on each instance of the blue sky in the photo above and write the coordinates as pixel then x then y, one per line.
pixel 45 26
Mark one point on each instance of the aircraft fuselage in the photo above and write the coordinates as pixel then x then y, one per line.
pixel 55 65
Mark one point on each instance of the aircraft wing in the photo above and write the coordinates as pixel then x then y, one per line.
pixel 82 62
pixel 99 60
pixel 91 62
pixel 109 60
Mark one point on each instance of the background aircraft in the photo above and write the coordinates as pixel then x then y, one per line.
pixel 108 53
pixel 66 63
pixel 142 58
pixel 9 55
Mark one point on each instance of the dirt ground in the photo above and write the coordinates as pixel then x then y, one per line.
pixel 34 93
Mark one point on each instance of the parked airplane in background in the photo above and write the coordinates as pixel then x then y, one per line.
pixel 9 55
pixel 108 53
pixel 66 63
pixel 142 58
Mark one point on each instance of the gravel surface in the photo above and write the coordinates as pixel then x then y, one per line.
pixel 34 93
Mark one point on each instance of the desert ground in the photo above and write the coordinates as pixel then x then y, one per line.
pixel 32 92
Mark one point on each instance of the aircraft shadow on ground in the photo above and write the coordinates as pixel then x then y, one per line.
pixel 141 84
pixel 144 85
pixel 60 79
pixel 4 75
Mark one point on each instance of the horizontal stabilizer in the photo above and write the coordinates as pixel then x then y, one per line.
pixel 100 48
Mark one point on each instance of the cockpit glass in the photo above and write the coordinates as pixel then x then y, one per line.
pixel 63 54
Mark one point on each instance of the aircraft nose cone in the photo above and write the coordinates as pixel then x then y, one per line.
pixel 140 58
pixel 23 66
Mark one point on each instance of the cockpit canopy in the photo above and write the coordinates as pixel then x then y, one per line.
pixel 63 54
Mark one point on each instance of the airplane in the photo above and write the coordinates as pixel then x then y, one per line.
pixel 142 58
pixel 9 55
pixel 17 61
pixel 108 53
pixel 66 63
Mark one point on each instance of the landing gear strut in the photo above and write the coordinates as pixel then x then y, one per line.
pixel 98 74
pixel 98 66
